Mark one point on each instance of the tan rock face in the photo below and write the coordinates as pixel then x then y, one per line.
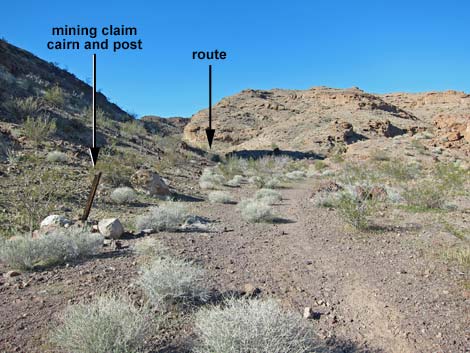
pixel 453 127
pixel 150 183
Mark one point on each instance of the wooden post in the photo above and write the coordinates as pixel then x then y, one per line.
pixel 91 197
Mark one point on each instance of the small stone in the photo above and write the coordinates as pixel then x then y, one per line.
pixel 111 228
pixel 54 220
pixel 250 290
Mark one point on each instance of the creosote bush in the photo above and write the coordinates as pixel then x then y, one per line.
pixel 55 96
pixel 255 326
pixel 108 324
pixel 269 196
pixel 356 209
pixel 123 195
pixel 220 197
pixel 168 281
pixel 57 247
pixel 168 216
pixel 256 211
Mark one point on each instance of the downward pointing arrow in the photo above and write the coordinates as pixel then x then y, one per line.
pixel 93 150
pixel 210 131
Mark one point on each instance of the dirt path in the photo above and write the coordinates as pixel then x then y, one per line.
pixel 374 292
pixel 370 293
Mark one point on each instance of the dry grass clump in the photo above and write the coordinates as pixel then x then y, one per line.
pixel 255 326
pixel 38 129
pixel 269 196
pixel 21 108
pixel 256 211
pixel 296 175
pixel 149 248
pixel 123 195
pixel 53 248
pixel 210 180
pixel 108 324
pixel 220 197
pixel 461 255
pixel 357 208
pixel 168 281
pixel 168 216
pixel 56 157
pixel 236 181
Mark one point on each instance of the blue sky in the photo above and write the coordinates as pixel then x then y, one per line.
pixel 379 46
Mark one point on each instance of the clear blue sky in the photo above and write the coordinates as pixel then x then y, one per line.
pixel 380 46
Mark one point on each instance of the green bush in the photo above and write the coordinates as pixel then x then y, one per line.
pixel 39 129
pixel 21 108
pixel 133 128
pixel 55 96
pixel 356 209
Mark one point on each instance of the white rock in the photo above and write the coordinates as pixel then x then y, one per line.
pixel 150 183
pixel 111 228
pixel 54 220
pixel 308 313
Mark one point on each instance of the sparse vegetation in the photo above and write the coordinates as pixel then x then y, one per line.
pixel 268 196
pixel 356 208
pixel 22 108
pixel 53 248
pixel 296 175
pixel 168 216
pixel 38 129
pixel 210 180
pixel 123 195
pixel 149 248
pixel 256 211
pixel 108 324
pixel 168 281
pixel 220 197
pixel 236 181
pixel 460 254
pixel 133 128
pixel 55 96
pixel 57 157
pixel 255 326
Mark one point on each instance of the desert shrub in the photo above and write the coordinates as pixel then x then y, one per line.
pixel 168 216
pixel 55 96
pixel 255 326
pixel 57 157
pixel 123 195
pixel 24 107
pixel 115 170
pixel 320 165
pixel 268 196
pixel 326 199
pixel 236 181
pixel 53 248
pixel 133 127
pixel 356 209
pixel 108 324
pixel 272 183
pixel 296 175
pixel 220 197
pixel 380 155
pixel 38 129
pixel 400 170
pixel 256 211
pixel 168 281
pixel 461 255
pixel 149 248
pixel 425 194
pixel 210 180
pixel 231 167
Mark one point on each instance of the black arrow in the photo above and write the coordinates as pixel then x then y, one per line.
pixel 94 151
pixel 210 131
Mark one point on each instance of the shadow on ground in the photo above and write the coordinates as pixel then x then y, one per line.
pixel 256 154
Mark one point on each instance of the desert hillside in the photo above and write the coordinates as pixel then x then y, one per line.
pixel 315 120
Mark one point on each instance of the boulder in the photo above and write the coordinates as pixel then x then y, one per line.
pixel 54 220
pixel 150 183
pixel 111 228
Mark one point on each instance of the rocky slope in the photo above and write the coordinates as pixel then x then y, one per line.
pixel 318 118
